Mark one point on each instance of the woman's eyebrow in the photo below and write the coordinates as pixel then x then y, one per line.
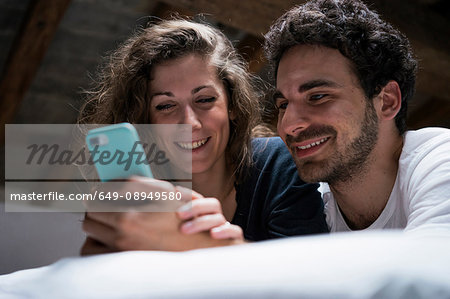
pixel 164 93
pixel 197 89
pixel 170 94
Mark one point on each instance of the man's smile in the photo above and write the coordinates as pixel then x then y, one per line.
pixel 308 147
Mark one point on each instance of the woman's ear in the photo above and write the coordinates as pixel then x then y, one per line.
pixel 390 100
pixel 231 114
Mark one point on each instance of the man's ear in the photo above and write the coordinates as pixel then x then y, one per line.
pixel 390 100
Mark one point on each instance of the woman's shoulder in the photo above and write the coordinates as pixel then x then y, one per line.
pixel 270 150
pixel 267 141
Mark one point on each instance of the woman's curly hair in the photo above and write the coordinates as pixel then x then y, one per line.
pixel 120 92
pixel 378 51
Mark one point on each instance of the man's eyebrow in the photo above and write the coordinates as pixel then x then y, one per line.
pixel 277 95
pixel 307 86
pixel 317 83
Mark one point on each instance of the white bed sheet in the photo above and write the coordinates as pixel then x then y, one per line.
pixel 347 265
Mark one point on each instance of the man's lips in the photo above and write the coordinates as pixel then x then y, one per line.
pixel 308 147
pixel 310 143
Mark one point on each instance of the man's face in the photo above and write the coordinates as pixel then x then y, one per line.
pixel 324 117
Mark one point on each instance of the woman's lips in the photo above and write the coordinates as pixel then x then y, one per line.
pixel 192 145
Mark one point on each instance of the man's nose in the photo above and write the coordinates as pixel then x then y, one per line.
pixel 294 120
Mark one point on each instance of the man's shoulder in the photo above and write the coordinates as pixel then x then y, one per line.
pixel 426 138
pixel 422 182
pixel 427 144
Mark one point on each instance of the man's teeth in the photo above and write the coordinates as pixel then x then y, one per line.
pixel 192 145
pixel 312 144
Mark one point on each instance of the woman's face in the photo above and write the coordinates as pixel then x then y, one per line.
pixel 187 91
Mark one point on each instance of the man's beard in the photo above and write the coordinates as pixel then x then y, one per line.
pixel 343 165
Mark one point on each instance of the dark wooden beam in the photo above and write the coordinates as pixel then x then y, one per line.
pixel 252 16
pixel 28 49
pixel 165 11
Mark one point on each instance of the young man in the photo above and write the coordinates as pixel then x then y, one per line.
pixel 343 80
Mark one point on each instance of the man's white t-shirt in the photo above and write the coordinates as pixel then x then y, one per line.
pixel 420 198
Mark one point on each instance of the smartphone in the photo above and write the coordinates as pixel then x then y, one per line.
pixel 117 152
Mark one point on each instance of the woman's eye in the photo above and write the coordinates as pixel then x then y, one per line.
pixel 162 107
pixel 317 97
pixel 206 100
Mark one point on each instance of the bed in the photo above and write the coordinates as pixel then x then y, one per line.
pixel 388 264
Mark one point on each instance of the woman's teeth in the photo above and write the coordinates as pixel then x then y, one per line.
pixel 312 144
pixel 192 145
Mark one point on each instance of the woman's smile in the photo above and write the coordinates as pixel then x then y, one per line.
pixel 193 145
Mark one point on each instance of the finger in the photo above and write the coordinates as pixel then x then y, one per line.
pixel 92 246
pixel 184 190
pixel 159 185
pixel 108 218
pixel 100 232
pixel 202 223
pixel 142 184
pixel 199 207
pixel 227 231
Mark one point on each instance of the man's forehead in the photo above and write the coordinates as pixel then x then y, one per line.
pixel 305 63
pixel 311 54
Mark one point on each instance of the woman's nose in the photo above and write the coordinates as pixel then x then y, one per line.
pixel 191 118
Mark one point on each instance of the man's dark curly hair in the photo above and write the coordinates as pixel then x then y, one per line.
pixel 378 51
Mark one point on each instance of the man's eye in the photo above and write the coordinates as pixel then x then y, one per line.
pixel 282 106
pixel 162 107
pixel 206 100
pixel 317 97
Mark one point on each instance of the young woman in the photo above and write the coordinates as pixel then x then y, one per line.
pixel 181 72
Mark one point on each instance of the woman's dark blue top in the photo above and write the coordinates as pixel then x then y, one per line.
pixel 273 202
